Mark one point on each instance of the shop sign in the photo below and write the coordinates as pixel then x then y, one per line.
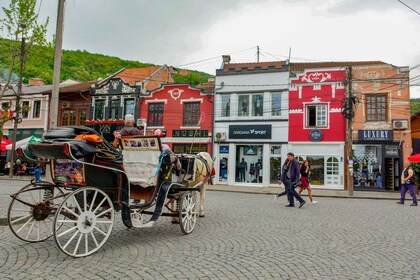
pixel 224 150
pixel 250 132
pixel 376 135
pixel 315 135
pixel 391 150
pixel 190 133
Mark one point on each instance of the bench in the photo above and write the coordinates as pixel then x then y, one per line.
pixel 141 159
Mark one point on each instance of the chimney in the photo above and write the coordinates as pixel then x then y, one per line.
pixel 226 60
pixel 36 82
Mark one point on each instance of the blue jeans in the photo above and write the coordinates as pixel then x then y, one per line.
pixel 410 188
pixel 291 192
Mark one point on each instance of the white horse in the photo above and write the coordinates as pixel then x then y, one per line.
pixel 203 174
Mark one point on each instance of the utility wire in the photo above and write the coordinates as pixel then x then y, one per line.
pixel 408 7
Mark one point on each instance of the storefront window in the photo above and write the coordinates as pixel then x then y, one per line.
pixel 317 169
pixel 275 163
pixel 189 149
pixel 367 166
pixel 223 163
pixel 249 166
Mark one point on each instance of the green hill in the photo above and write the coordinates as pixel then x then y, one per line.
pixel 79 65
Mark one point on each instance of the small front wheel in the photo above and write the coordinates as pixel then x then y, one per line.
pixel 187 212
pixel 83 222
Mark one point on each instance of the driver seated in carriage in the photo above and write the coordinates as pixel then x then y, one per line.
pixel 128 129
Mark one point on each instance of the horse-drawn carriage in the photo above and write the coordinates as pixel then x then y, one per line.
pixel 91 180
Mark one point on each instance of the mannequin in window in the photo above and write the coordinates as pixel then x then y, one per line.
pixel 243 167
pixel 227 109
pixel 251 171
pixel 244 108
pixel 258 168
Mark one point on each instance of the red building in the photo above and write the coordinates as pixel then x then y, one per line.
pixel 183 113
pixel 316 125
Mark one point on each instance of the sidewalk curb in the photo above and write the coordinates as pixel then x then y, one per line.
pixel 268 192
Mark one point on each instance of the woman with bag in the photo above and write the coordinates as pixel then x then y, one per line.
pixel 304 178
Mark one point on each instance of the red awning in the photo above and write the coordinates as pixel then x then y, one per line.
pixel 414 158
pixel 4 143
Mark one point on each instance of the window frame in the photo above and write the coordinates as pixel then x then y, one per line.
pixel 96 107
pixel 34 109
pixel 25 115
pixel 191 121
pixel 376 117
pixel 308 115
pixel 225 106
pixel 68 120
pixel 273 108
pixel 155 114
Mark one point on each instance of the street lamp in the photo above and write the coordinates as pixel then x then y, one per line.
pixel 17 106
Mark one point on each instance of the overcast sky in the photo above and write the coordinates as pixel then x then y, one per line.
pixel 181 32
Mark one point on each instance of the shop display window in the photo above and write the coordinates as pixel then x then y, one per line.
pixel 249 167
pixel 317 164
pixel 275 163
pixel 367 166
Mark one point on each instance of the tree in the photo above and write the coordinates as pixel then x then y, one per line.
pixel 20 25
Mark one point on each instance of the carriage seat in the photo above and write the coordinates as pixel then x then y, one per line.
pixel 141 167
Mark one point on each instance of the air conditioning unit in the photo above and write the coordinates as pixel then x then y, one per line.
pixel 399 124
pixel 221 136
pixel 141 122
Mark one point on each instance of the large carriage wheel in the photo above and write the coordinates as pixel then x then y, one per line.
pixel 30 214
pixel 187 211
pixel 83 222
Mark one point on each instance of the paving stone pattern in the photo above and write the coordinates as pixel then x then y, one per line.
pixel 243 236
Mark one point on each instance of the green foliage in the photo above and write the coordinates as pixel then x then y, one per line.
pixel 193 78
pixel 80 65
pixel 414 106
pixel 416 169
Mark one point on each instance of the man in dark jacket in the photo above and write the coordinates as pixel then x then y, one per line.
pixel 289 176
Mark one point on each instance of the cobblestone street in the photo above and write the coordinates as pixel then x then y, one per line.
pixel 243 236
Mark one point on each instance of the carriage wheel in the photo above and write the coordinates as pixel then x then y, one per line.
pixel 83 222
pixel 187 212
pixel 30 214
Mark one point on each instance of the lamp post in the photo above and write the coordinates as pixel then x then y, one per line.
pixel 17 106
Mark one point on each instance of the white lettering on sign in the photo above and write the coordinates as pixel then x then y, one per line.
pixel 382 134
pixel 250 132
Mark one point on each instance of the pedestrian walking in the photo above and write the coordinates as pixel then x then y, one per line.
pixel 304 178
pixel 407 184
pixel 37 173
pixel 289 175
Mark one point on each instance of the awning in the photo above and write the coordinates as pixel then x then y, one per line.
pixel 3 144
pixel 414 158
pixel 24 142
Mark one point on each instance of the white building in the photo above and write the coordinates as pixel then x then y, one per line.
pixel 250 122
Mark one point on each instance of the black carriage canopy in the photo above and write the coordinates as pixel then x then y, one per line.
pixel 83 142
